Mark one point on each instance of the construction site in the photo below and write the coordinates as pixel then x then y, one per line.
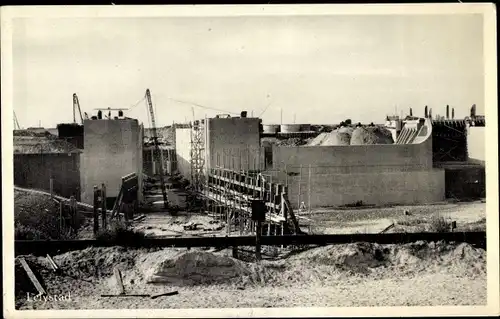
pixel 228 211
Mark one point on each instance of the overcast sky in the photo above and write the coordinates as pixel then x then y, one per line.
pixel 319 69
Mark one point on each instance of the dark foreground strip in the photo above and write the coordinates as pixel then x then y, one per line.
pixel 40 247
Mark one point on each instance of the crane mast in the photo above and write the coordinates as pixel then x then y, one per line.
pixel 157 148
pixel 16 123
pixel 76 104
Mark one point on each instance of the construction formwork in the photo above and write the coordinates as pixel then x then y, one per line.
pixel 229 194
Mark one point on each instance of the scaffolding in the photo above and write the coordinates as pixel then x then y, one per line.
pixel 198 156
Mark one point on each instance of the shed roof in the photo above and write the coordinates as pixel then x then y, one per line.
pixel 42 145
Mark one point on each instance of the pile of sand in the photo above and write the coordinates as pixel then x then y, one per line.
pixel 365 258
pixel 36 216
pixel 331 139
pixel 340 136
pixel 198 268
pixel 178 267
pixel 97 261
pixel 371 135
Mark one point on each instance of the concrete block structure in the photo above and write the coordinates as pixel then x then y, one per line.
pixel 371 174
pixel 324 176
pixel 233 143
pixel 38 160
pixel 113 149
pixel 228 142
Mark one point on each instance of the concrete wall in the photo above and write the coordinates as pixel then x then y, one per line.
pixel 35 171
pixel 372 188
pixel 354 158
pixel 374 174
pixel 140 163
pixel 183 151
pixel 113 149
pixel 234 143
pixel 476 141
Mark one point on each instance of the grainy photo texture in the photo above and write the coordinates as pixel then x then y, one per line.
pixel 248 160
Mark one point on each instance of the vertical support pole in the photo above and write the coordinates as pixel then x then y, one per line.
pixel 96 214
pixel 152 163
pixel 286 174
pixel 72 209
pixel 300 182
pixel 51 182
pixel 104 207
pixel 60 218
pixel 309 190
pixel 258 233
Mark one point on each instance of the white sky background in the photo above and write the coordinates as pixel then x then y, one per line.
pixel 322 69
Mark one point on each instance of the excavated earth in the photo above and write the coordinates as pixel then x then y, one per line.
pixel 359 274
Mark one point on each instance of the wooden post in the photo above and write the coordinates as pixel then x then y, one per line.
pixel 96 214
pixel 60 218
pixel 152 163
pixel 119 282
pixel 309 188
pixel 300 182
pixel 104 207
pixel 72 212
pixel 51 182
pixel 258 233
pixel 286 175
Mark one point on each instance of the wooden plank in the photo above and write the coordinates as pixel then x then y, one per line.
pixel 119 282
pixel 96 214
pixel 229 180
pixel 131 295
pixel 103 206
pixel 228 202
pixel 52 263
pixel 138 218
pixel 171 293
pixel 32 277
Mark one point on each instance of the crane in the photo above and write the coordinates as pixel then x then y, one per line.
pixel 157 148
pixel 76 104
pixel 16 122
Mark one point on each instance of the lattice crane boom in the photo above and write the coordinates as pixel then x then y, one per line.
pixel 157 148
pixel 76 104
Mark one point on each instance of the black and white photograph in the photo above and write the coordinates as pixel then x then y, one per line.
pixel 249 160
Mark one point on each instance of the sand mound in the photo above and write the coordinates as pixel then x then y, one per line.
pixel 362 258
pixel 371 135
pixel 96 261
pixel 342 136
pixel 197 268
pixel 356 257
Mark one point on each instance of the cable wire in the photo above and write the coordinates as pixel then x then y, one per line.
pixel 202 106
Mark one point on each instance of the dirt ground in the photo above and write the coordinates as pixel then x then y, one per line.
pixel 373 220
pixel 359 274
